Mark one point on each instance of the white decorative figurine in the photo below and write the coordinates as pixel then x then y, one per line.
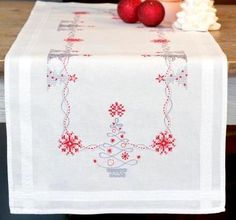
pixel 197 15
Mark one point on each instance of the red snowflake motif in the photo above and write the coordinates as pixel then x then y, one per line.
pixel 163 142
pixel 125 156
pixel 160 41
pixel 116 109
pixel 69 143
pixel 72 78
pixel 160 78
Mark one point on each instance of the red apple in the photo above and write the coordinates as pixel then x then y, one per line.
pixel 151 13
pixel 128 10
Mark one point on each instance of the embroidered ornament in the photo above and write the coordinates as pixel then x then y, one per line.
pixel 163 142
pixel 69 143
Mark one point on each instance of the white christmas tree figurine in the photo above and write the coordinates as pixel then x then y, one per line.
pixel 197 15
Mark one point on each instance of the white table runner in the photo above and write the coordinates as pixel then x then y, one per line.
pixel 108 117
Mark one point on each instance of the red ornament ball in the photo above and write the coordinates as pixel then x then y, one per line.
pixel 128 10
pixel 151 13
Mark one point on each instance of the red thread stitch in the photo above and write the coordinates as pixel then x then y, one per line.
pixel 116 109
pixel 163 142
pixel 69 143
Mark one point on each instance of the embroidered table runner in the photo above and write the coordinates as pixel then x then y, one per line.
pixel 108 117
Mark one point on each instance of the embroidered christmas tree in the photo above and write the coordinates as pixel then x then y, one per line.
pixel 116 154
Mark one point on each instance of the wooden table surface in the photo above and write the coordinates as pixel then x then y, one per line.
pixel 13 15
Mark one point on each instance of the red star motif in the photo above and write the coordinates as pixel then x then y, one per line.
pixel 160 78
pixel 125 156
pixel 73 78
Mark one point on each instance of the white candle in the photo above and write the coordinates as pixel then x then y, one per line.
pixel 171 8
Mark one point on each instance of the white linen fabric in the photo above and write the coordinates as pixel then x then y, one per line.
pixel 108 117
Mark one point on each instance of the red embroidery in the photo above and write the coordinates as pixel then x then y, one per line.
pixel 112 140
pixel 125 156
pixel 116 154
pixel 116 109
pixel 162 41
pixel 163 142
pixel 160 78
pixel 73 40
pixel 57 73
pixel 69 143
pixel 81 13
pixel 73 78
pixel 109 150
